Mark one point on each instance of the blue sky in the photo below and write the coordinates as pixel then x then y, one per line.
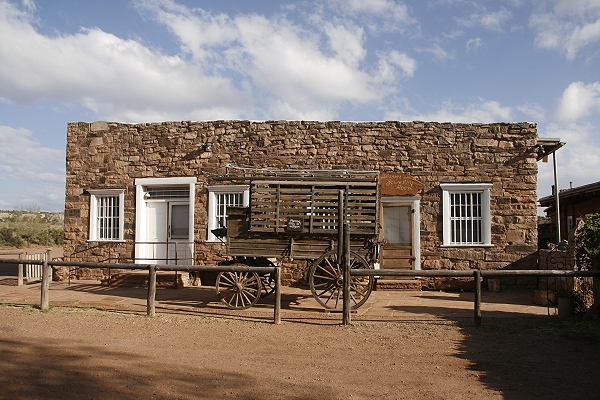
pixel 352 60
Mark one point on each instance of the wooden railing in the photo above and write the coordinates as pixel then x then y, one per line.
pixel 475 274
pixel 26 269
pixel 152 269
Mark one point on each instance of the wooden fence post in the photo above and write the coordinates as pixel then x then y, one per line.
pixel 46 276
pixel 477 310
pixel 20 268
pixel 277 312
pixel 150 306
pixel 346 270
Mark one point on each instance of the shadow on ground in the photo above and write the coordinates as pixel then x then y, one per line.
pixel 535 357
pixel 54 370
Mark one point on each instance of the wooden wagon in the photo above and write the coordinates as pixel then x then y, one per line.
pixel 298 215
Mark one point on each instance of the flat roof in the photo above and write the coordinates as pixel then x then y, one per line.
pixel 570 193
pixel 547 146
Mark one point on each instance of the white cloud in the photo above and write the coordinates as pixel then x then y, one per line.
pixel 347 43
pixel 493 21
pixel 378 15
pixel 201 33
pixel 569 26
pixel 25 161
pixel 437 52
pixel 473 44
pixel 104 72
pixel 297 69
pixel 19 149
pixel 579 101
pixel 402 60
pixel 533 112
pixel 571 167
pixel 224 61
pixel 483 112
pixel 287 61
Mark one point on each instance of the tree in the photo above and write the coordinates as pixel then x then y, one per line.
pixel 587 242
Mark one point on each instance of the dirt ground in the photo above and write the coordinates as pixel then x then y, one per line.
pixel 75 353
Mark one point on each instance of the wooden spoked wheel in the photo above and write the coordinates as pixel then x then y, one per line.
pixel 326 278
pixel 267 281
pixel 238 290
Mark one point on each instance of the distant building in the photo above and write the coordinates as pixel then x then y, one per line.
pixel 574 205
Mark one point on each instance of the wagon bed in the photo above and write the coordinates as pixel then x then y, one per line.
pixel 298 215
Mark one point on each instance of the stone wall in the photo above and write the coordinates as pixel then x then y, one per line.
pixel 112 155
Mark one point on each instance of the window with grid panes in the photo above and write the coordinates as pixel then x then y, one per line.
pixel 466 214
pixel 221 197
pixel 225 200
pixel 106 215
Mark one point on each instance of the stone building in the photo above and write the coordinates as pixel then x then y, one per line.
pixel 147 192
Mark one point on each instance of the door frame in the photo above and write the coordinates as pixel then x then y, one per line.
pixel 414 202
pixel 140 209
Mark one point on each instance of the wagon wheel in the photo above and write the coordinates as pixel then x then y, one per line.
pixel 267 281
pixel 238 290
pixel 326 278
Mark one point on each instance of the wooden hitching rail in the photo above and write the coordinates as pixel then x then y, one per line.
pixel 152 269
pixel 475 274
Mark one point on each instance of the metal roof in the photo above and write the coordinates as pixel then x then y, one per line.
pixel 570 193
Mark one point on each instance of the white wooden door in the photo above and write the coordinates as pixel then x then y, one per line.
pixel 179 247
pixel 156 232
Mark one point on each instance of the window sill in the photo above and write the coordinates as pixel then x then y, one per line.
pixel 215 241
pixel 106 241
pixel 462 246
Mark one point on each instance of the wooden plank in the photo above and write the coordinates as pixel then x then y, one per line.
pixel 317 183
pixel 303 249
pixel 316 200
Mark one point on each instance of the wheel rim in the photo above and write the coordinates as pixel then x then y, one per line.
pixel 267 282
pixel 326 281
pixel 238 290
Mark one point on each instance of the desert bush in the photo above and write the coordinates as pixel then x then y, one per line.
pixel 8 237
pixel 587 241
pixel 18 229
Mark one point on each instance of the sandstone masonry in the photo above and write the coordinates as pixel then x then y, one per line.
pixel 103 155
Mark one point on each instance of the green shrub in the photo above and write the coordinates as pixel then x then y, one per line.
pixel 9 237
pixel 20 229
pixel 588 243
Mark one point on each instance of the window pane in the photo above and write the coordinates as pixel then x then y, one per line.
pixel 179 221
pixel 225 200
pixel 465 218
pixel 107 218
pixel 397 224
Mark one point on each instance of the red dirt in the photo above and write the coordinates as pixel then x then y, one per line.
pixel 71 353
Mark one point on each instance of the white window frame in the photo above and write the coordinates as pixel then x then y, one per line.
pixel 213 192
pixel 95 194
pixel 486 231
